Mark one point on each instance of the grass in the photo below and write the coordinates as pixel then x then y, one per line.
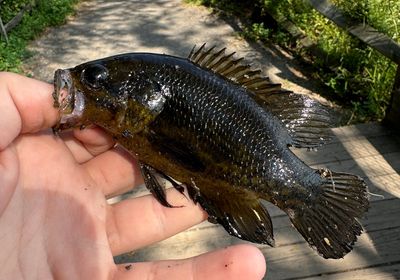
pixel 360 77
pixel 44 14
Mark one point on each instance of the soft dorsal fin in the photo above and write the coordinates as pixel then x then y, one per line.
pixel 306 120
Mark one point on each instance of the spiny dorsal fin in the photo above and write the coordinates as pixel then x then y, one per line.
pixel 306 120
pixel 233 69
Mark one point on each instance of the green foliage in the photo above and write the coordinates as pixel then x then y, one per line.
pixel 256 31
pixel 381 14
pixel 358 75
pixel 9 8
pixel 44 14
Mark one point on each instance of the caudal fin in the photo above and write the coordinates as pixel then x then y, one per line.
pixel 330 224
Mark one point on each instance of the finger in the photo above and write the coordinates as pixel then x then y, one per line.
pixel 236 262
pixel 114 171
pixel 76 147
pixel 87 143
pixel 26 105
pixel 135 223
pixel 94 139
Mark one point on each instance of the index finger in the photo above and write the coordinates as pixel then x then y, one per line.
pixel 26 106
pixel 236 262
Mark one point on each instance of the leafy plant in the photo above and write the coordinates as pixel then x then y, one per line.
pixel 359 76
pixel 44 14
pixel 257 31
pixel 9 8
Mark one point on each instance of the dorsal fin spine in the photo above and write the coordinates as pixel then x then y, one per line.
pixel 231 65
pixel 218 55
pixel 306 120
pixel 237 70
pixel 191 52
pixel 204 55
pixel 222 62
pixel 194 57
pixel 254 81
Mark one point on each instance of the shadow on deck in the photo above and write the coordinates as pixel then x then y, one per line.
pixel 368 150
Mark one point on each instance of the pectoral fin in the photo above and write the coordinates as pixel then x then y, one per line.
pixel 153 185
pixel 152 178
pixel 239 212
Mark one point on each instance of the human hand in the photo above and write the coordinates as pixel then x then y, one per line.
pixel 55 222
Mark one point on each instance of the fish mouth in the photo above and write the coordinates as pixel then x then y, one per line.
pixel 67 99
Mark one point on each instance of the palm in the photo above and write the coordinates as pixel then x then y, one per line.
pixel 55 222
pixel 63 214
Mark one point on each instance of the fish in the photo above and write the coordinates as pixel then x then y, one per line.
pixel 217 126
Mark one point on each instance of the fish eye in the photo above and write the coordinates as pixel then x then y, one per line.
pixel 94 76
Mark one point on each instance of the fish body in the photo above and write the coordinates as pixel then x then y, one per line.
pixel 223 130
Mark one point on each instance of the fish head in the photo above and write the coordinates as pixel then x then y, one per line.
pixel 112 94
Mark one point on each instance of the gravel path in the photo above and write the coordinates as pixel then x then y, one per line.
pixel 102 28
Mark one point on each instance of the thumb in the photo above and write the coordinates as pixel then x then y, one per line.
pixel 26 106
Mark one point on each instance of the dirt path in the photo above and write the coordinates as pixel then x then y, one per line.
pixel 103 28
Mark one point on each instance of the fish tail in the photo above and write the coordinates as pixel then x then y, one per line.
pixel 330 223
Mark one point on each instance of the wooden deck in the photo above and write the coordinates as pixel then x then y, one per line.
pixel 368 150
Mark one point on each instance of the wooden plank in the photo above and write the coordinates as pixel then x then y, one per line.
pixel 351 132
pixel 375 157
pixel 386 185
pixel 370 166
pixel 297 261
pixel 365 33
pixel 345 150
pixel 351 142
pixel 381 216
pixel 373 169
pixel 386 272
pixel 381 223
pixel 292 258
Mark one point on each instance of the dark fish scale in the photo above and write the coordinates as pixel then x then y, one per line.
pixel 223 130
pixel 218 128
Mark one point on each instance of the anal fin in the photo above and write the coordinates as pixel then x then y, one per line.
pixel 239 212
